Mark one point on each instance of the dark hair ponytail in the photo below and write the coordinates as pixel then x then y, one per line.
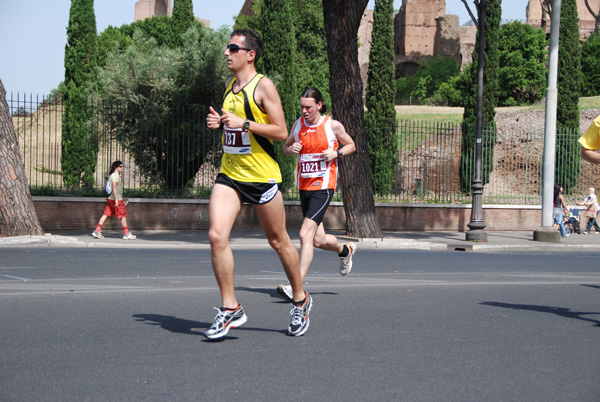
pixel 312 92
pixel 114 166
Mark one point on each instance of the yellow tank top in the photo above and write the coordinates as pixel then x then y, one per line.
pixel 247 157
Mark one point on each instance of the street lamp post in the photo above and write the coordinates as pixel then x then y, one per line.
pixel 476 225
pixel 547 233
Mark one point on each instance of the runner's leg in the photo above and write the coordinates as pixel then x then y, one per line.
pixel 224 206
pixel 272 220
pixel 307 236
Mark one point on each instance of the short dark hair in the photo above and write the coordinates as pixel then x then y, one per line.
pixel 252 40
pixel 312 92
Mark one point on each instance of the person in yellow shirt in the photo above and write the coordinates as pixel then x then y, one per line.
pixel 590 142
pixel 251 119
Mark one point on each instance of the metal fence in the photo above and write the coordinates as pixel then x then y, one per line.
pixel 159 149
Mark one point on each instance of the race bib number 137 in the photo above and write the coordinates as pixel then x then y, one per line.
pixel 236 141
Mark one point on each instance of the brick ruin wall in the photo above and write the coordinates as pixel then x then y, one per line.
pixel 422 29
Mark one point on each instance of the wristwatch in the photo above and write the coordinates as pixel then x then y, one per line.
pixel 246 124
pixel 340 154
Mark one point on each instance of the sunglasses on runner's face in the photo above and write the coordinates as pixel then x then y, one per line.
pixel 233 48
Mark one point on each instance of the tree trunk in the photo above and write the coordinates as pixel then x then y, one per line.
pixel 596 17
pixel 17 215
pixel 342 20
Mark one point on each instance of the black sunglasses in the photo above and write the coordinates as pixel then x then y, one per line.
pixel 233 48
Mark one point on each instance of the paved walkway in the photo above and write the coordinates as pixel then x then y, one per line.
pixel 496 241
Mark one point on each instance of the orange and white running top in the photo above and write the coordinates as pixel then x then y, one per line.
pixel 314 173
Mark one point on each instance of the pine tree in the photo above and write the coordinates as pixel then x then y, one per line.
pixel 342 19
pixel 79 141
pixel 183 18
pixel 567 117
pixel 493 15
pixel 279 63
pixel 380 118
pixel 17 214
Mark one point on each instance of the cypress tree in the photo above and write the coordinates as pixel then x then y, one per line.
pixel 183 18
pixel 567 117
pixel 311 59
pixel 311 50
pixel 493 15
pixel 590 77
pixel 79 140
pixel 380 118
pixel 279 63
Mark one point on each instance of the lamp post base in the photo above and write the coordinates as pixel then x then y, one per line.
pixel 546 234
pixel 478 235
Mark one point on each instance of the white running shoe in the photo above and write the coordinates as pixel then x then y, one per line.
pixel 346 262
pixel 129 236
pixel 97 235
pixel 286 292
pixel 300 321
pixel 226 320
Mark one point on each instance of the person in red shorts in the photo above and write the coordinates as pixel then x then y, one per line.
pixel 115 203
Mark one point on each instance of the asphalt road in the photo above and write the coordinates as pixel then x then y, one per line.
pixel 119 325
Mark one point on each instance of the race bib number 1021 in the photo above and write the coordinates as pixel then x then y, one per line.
pixel 312 165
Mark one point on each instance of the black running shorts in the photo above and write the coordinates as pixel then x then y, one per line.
pixel 315 203
pixel 252 193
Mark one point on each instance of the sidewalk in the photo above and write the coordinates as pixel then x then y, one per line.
pixel 497 241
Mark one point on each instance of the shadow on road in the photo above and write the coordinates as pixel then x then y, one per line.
pixel 172 324
pixel 560 311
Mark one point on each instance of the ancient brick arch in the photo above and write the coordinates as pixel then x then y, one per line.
pixel 152 8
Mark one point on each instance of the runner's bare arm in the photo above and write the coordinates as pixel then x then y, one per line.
pixel 343 137
pixel 267 97
pixel 290 147
pixel 590 155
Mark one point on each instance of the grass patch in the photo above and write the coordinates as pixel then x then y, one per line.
pixel 432 117
pixel 592 102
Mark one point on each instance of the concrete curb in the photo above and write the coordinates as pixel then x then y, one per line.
pixel 245 243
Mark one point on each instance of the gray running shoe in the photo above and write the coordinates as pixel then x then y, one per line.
pixel 346 262
pixel 300 321
pixel 224 321
pixel 286 292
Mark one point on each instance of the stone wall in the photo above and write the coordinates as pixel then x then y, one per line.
pixel 586 20
pixel 152 8
pixel 156 8
pixel 74 213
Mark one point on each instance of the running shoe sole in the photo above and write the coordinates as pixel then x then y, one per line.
pixel 285 293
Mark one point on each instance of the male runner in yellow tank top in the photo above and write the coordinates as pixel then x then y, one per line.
pixel 251 118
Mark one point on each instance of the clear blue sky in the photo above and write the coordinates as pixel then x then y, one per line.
pixel 33 33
